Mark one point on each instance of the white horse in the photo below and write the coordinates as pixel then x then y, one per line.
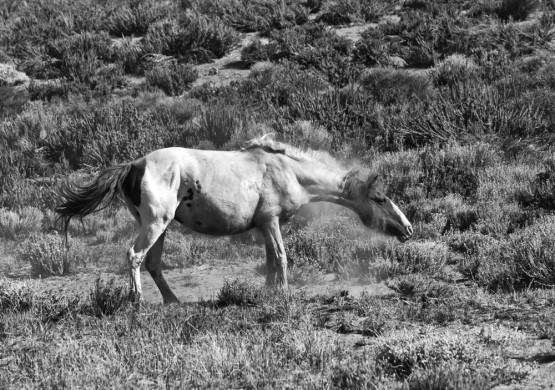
pixel 228 192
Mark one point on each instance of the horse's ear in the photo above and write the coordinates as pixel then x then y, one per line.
pixel 352 174
pixel 372 180
pixel 351 181
pixel 268 137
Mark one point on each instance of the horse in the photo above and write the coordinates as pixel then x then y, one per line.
pixel 228 192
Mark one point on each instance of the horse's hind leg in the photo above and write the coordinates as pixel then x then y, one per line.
pixel 153 265
pixel 148 236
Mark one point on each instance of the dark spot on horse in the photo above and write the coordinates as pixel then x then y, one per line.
pixel 190 191
pixel 132 184
pixel 199 223
pixel 189 205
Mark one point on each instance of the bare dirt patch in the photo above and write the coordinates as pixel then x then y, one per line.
pixel 223 71
pixel 354 33
pixel 203 282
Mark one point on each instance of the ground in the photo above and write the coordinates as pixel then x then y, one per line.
pixel 203 282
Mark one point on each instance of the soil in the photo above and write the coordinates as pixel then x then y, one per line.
pixel 203 282
pixel 225 70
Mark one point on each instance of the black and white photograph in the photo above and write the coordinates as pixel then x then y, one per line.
pixel 277 194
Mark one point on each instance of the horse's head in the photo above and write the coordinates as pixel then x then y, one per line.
pixel 375 209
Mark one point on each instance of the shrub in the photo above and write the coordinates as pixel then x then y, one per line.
pixel 196 39
pixel 129 53
pixel 454 69
pixel 107 299
pixel 47 90
pixel 448 377
pixel 419 287
pixel 461 220
pixel 19 192
pixel 22 222
pixel 351 11
pixel 449 172
pixel 184 251
pixel 239 293
pixel 515 262
pixel 307 134
pixel 372 49
pixel 353 377
pixel 516 9
pixel 403 357
pixel 417 257
pixel 314 46
pixel 84 59
pixel 51 307
pixel 49 255
pixel 396 86
pixel 172 79
pixel 401 171
pixel 112 131
pixel 324 250
pixel 133 18
pixel 12 101
pixel 540 195
pixel 348 117
pixel 218 123
pixel 258 51
pixel 16 296
pixel 531 253
pixel 9 76
pixel 111 227
pixel 341 12
pixel 254 15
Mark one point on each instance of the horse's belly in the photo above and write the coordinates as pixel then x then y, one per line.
pixel 217 216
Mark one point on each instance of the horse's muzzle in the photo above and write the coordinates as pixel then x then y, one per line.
pixel 408 234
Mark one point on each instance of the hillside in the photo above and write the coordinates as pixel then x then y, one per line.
pixel 451 101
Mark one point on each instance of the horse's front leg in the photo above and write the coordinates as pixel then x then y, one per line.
pixel 275 254
pixel 153 264
pixel 270 265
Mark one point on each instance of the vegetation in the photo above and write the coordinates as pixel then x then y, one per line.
pixel 452 101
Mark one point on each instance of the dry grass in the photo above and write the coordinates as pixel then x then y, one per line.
pixel 281 340
pixel 465 145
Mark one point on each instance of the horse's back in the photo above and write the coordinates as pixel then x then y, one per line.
pixel 218 191
pixel 222 192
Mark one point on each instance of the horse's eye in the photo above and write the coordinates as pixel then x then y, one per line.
pixel 380 201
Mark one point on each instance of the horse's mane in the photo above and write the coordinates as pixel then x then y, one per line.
pixel 270 145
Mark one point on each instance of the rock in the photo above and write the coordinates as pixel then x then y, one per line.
pixel 12 77
pixel 390 19
pixel 396 62
pixel 329 277
pixel 262 66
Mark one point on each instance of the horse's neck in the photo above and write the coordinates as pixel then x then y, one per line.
pixel 320 180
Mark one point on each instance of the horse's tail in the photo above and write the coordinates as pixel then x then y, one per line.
pixel 79 201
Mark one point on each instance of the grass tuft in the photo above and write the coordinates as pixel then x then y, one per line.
pixel 16 296
pixel 106 298
pixel 239 293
